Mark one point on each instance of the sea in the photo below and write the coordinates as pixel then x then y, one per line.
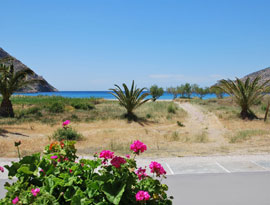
pixel 100 94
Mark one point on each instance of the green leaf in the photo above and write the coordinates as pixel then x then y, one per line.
pixel 25 168
pixel 114 192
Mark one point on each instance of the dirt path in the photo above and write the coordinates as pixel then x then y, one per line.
pixel 200 121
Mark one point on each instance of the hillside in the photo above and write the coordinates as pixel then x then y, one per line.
pixel 37 87
pixel 264 73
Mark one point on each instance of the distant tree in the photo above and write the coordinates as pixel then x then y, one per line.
pixel 181 90
pixel 10 82
pixel 202 92
pixel 173 91
pixel 245 93
pixel 130 99
pixel 156 92
pixel 217 91
pixel 188 90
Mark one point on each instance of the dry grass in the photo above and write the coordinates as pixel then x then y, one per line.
pixel 205 133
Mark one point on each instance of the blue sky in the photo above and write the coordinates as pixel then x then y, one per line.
pixel 91 45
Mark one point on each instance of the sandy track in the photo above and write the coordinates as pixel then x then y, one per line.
pixel 201 121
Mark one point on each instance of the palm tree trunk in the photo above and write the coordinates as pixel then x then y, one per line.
pixel 244 114
pixel 6 109
pixel 266 112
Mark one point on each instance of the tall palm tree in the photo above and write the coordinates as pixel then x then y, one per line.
pixel 245 93
pixel 11 81
pixel 130 99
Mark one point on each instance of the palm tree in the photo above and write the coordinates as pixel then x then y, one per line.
pixel 130 99
pixel 11 81
pixel 245 93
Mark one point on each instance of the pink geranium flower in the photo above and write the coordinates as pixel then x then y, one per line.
pixel 117 161
pixel 35 191
pixel 65 123
pixel 15 200
pixel 54 157
pixel 138 147
pixel 142 196
pixel 106 154
pixel 141 173
pixel 157 168
pixel 1 169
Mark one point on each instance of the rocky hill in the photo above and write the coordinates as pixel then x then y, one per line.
pixel 18 65
pixel 264 73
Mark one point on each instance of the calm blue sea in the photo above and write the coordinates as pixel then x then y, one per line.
pixel 97 94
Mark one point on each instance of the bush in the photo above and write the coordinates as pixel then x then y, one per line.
pixel 172 108
pixel 57 107
pixel 83 106
pixel 67 133
pixel 148 115
pixel 56 178
pixel 31 111
pixel 180 124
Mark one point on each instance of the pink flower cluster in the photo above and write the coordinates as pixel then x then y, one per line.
pixel 106 154
pixel 157 168
pixel 138 147
pixel 142 196
pixel 141 173
pixel 15 200
pixel 66 123
pixel 117 161
pixel 1 169
pixel 54 157
pixel 35 191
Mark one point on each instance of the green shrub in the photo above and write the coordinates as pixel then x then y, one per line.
pixel 180 124
pixel 56 178
pixel 30 111
pixel 148 116
pixel 172 108
pixel 263 107
pixel 66 133
pixel 244 135
pixel 57 107
pixel 82 106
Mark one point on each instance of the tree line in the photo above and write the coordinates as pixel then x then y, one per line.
pixel 185 91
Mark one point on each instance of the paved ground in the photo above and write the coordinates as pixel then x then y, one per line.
pixel 230 180
pixel 220 189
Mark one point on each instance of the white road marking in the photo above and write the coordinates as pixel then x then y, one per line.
pixel 170 169
pixel 258 165
pixel 226 170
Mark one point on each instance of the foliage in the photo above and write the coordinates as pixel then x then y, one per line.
pixel 217 91
pixel 11 81
pixel 173 91
pixel 66 133
pixel 130 99
pixel 172 108
pixel 180 124
pixel 56 178
pixel 244 135
pixel 156 92
pixel 57 107
pixel 201 91
pixel 245 93
pixel 181 90
pixel 36 111
pixel 188 90
pixel 83 106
